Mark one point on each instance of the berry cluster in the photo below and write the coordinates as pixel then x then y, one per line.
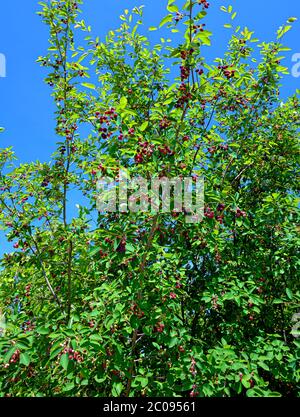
pixel 102 119
pixel 62 150
pixel 165 150
pixel 122 246
pixel 73 149
pixel 193 367
pixel 105 134
pixel 27 290
pixel 220 218
pixel 73 354
pixel 138 158
pixel 159 328
pixel 14 358
pixel 226 71
pixel 117 373
pixel 146 150
pixel 199 71
pixel 178 17
pixel 103 254
pixel 198 28
pixel 194 392
pixel 45 182
pixel 137 311
pixel 209 213
pixel 109 115
pixel 204 3
pixel 164 123
pixel 66 130
pixel 221 207
pixel 28 326
pixel 185 96
pixel 184 72
pixel 213 149
pixel 184 54
pixel 240 213
pixel 242 101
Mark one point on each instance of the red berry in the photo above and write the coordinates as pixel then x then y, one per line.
pixel 138 158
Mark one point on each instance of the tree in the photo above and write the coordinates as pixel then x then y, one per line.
pixel 131 304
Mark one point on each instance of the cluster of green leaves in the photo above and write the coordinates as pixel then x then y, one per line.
pixel 111 304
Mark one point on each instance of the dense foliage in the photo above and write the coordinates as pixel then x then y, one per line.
pixel 131 304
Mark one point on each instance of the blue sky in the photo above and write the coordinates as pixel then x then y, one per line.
pixel 26 106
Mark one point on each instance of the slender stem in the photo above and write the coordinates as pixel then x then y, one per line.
pixel 191 17
pixel 69 272
pixel 139 296
pixel 38 253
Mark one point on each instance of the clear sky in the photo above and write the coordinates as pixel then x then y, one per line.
pixel 26 106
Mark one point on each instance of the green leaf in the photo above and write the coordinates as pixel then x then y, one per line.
pixel 22 345
pixel 152 28
pixel 69 386
pixel 292 19
pixel 204 37
pixel 264 366
pixel 246 382
pixel 89 85
pixel 84 382
pixel 289 293
pixel 9 354
pixel 94 251
pixel 123 102
pixel 130 248
pixel 117 389
pixel 200 15
pixel 100 380
pixel 173 342
pixel 25 359
pixel 43 330
pixel 55 352
pixel 282 31
pixel 173 8
pixel 64 361
pixel 165 20
pixel 143 381
pixel 144 126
